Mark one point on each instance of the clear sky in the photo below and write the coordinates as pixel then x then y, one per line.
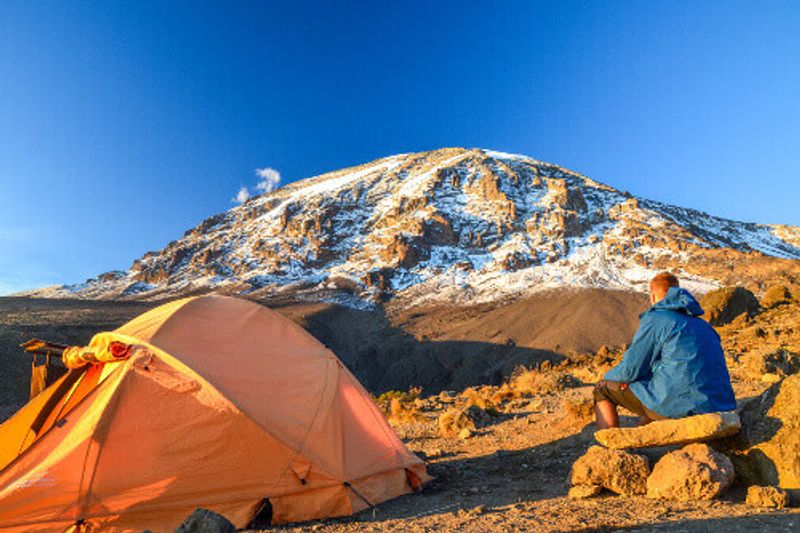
pixel 123 124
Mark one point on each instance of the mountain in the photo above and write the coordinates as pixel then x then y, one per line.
pixel 453 225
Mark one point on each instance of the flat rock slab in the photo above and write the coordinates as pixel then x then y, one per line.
pixel 698 428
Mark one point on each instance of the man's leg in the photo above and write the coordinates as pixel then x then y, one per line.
pixel 644 420
pixel 606 414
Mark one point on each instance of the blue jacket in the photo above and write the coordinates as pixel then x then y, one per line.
pixel 675 364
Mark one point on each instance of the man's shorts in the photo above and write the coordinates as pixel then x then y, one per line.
pixel 611 391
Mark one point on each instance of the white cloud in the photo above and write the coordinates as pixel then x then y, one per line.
pixel 242 196
pixel 269 178
pixel 268 181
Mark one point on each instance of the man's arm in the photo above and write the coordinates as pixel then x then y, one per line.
pixel 637 360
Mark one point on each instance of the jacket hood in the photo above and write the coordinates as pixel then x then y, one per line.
pixel 681 300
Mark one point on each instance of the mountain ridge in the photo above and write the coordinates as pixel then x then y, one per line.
pixel 451 225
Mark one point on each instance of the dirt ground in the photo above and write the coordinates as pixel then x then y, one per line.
pixel 511 474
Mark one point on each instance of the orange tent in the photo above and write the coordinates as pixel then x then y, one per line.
pixel 211 402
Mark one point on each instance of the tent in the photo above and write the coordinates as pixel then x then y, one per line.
pixel 212 402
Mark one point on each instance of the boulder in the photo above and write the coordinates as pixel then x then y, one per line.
pixel 205 521
pixel 695 472
pixel 618 471
pixel 775 296
pixel 697 428
pixel 772 497
pixel 581 492
pixel 767 449
pixel 723 305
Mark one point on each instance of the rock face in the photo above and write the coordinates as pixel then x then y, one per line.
pixel 771 497
pixel 695 472
pixel 698 428
pixel 767 449
pixel 618 471
pixel 724 305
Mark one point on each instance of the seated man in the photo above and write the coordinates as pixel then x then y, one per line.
pixel 674 367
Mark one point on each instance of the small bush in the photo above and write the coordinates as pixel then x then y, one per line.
pixel 400 407
pixel 452 421
pixel 542 380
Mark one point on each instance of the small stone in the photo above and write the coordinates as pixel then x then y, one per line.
pixel 672 431
pixel 474 490
pixel 433 453
pixel 205 521
pixel 618 471
pixel 480 509
pixel 581 492
pixel 771 497
pixel 465 433
pixel 695 472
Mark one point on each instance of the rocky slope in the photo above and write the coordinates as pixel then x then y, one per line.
pixel 450 226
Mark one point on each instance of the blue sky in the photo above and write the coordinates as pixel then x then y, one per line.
pixel 123 124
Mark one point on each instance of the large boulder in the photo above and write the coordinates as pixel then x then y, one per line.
pixel 695 472
pixel 697 428
pixel 723 305
pixel 618 471
pixel 767 449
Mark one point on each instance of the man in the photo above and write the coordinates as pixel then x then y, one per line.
pixel 674 367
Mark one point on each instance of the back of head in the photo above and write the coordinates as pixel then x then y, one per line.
pixel 660 285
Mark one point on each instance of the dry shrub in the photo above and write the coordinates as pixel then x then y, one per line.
pixel 541 381
pixel 400 407
pixel 579 410
pixel 452 421
pixel 504 394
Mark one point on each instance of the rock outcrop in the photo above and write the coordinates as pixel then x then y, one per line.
pixel 724 305
pixel 779 363
pixel 698 428
pixel 767 449
pixel 775 296
pixel 695 472
pixel 618 471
